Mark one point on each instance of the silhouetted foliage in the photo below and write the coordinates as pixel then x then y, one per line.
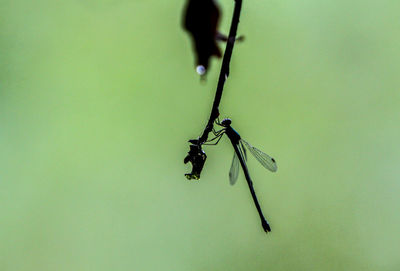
pixel 201 19
pixel 197 157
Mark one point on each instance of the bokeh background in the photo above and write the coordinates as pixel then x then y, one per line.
pixel 98 99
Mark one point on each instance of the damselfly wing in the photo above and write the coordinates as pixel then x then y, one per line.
pixel 267 161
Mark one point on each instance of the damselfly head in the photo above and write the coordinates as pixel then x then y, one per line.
pixel 226 122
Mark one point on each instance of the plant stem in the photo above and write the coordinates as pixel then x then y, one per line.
pixel 224 73
pixel 196 155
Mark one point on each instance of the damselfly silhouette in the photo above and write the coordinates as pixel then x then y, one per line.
pixel 240 156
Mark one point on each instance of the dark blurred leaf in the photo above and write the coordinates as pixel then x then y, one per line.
pixel 201 19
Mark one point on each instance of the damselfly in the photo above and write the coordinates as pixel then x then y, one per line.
pixel 240 156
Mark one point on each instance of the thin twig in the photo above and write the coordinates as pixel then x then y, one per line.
pixel 196 155
pixel 224 73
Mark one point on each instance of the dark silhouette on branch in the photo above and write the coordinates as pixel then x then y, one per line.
pixel 201 20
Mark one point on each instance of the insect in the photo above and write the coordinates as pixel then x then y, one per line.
pixel 240 156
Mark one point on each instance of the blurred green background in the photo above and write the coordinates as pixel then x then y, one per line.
pixel 98 99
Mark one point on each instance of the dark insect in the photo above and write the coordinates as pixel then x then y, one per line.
pixel 240 156
pixel 201 19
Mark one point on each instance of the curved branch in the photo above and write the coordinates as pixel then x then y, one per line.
pixel 196 156
pixel 224 73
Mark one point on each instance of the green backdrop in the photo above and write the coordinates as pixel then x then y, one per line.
pixel 98 99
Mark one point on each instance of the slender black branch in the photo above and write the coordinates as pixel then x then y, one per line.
pixel 196 156
pixel 224 73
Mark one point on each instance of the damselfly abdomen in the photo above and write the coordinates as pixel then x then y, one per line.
pixel 240 156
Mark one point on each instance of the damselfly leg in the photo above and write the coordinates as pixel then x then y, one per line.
pixel 218 136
